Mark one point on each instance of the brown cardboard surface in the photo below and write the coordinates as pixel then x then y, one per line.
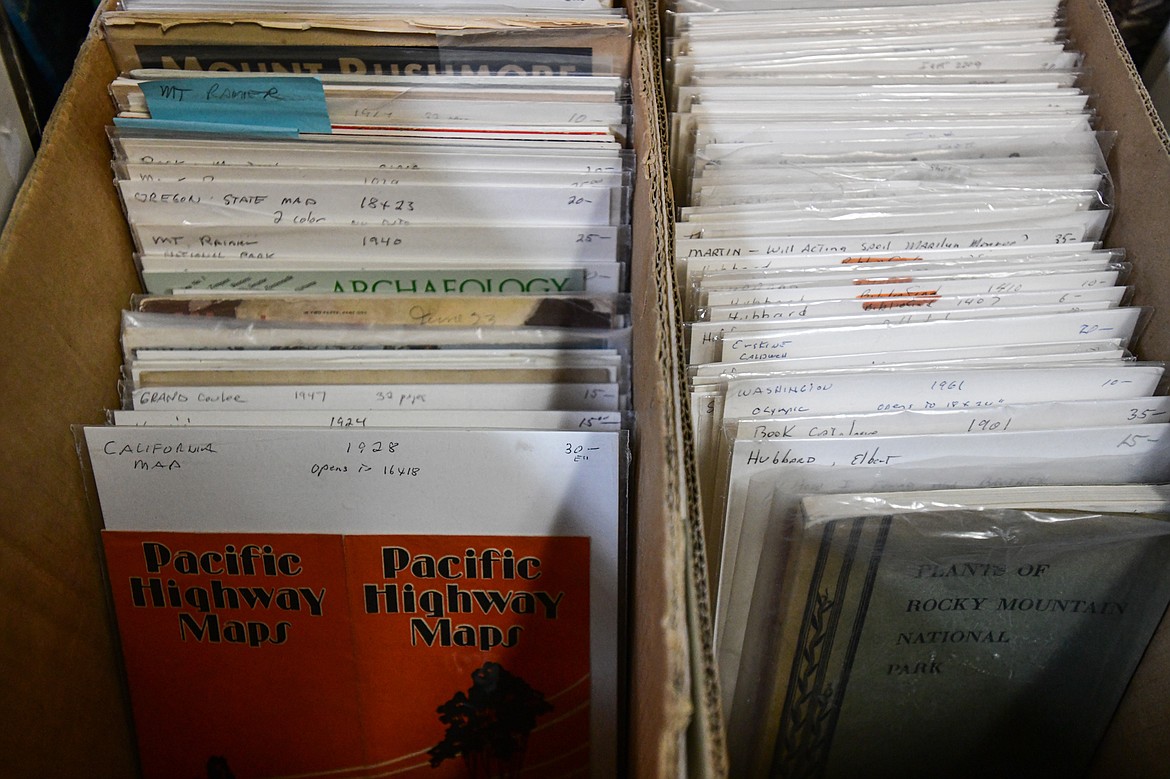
pixel 660 709
pixel 1135 745
pixel 64 712
pixel 675 728
pixel 704 751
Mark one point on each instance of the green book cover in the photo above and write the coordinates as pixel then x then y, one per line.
pixel 959 641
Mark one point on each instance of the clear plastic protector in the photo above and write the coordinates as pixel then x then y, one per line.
pixel 401 377
pixel 969 386
pixel 357 276
pixel 1098 350
pixel 1079 223
pixel 1000 418
pixel 379 153
pixel 372 112
pixel 264 203
pixel 878 149
pixel 735 159
pixel 731 289
pixel 862 55
pixel 766 41
pixel 684 27
pixel 985 419
pixel 1117 295
pixel 376 418
pixel 1050 7
pixel 178 331
pixel 459 379
pixel 891 106
pixel 592 86
pixel 987 80
pixel 881 388
pixel 460 309
pixel 375 393
pixel 351 7
pixel 566 498
pixel 1123 323
pixel 779 187
pixel 570 311
pixel 1070 456
pixel 797 285
pixel 729 198
pixel 867 275
pixel 996 592
pixel 1086 172
pixel 422 102
pixel 883 99
pixel 884 293
pixel 1020 78
pixel 477 40
pixel 1046 58
pixel 702 139
pixel 706 338
pixel 381 244
pixel 125 171
pixel 885 220
pixel 694 256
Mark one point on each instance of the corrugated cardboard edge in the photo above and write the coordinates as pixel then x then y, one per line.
pixel 660 712
pixel 1140 160
pixel 64 710
pixel 1135 744
pixel 702 751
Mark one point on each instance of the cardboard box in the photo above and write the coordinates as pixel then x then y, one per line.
pixel 1156 75
pixel 66 273
pixel 1135 744
pixel 66 269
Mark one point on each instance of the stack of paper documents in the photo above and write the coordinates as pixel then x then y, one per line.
pixel 497 185
pixel 889 244
pixel 385 307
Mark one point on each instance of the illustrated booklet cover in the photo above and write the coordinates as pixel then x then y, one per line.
pixel 270 630
pixel 920 640
pixel 274 655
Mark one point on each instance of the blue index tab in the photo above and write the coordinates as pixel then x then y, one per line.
pixel 295 103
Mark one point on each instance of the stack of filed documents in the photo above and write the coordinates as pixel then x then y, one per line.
pixel 889 244
pixel 382 353
pixel 466 185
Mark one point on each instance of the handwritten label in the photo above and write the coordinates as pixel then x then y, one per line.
pixel 296 103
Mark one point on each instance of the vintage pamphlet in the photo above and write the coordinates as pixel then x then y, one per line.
pixel 373 45
pixel 276 654
pixel 995 639
pixel 274 582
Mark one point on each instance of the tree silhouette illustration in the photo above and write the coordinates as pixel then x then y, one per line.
pixel 218 768
pixel 488 726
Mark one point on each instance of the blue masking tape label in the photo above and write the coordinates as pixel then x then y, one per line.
pixel 294 103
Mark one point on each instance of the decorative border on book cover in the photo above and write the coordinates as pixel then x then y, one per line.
pixel 820 671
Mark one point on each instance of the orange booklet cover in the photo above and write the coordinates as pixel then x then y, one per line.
pixel 275 655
